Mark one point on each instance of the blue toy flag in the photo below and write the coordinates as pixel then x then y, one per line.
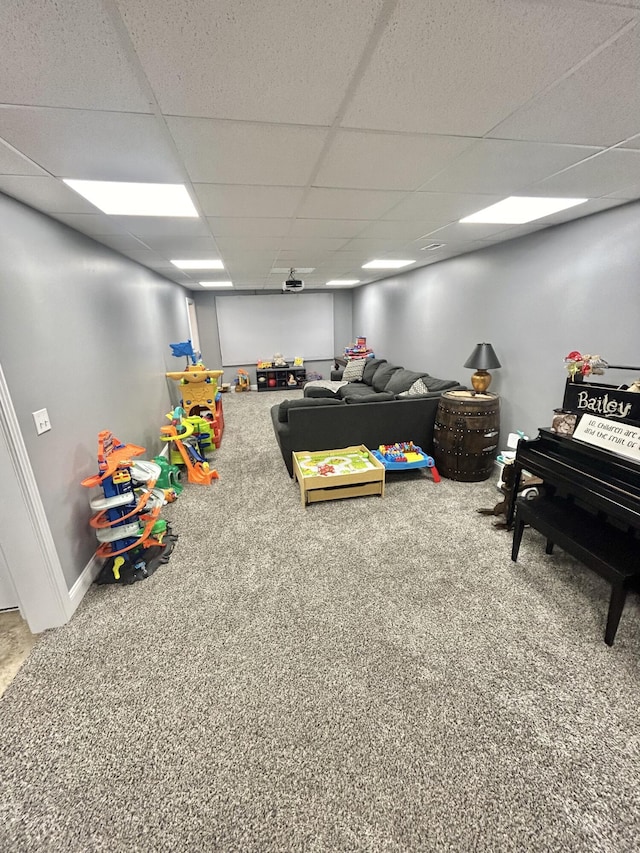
pixel 184 348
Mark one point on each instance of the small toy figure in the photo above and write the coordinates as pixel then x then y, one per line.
pixel 325 469
pixel 291 380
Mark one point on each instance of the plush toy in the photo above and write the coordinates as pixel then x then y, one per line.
pixel 278 360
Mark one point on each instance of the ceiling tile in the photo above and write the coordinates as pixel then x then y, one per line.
pixel 146 257
pixel 91 145
pixel 586 107
pixel 230 200
pixel 440 68
pixel 47 194
pixel 13 162
pixel 463 232
pixel 377 245
pixel 237 153
pixel 288 61
pixel 162 226
pixel 401 229
pixel 183 247
pixel 499 166
pixel 386 161
pixel 347 204
pixel 122 243
pixel 312 244
pixel 248 227
pixel 634 142
pixel 344 228
pixel 65 55
pixel 235 245
pixel 441 206
pixel 607 173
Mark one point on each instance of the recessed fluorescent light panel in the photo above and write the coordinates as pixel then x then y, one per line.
pixel 338 282
pixel 516 210
pixel 199 264
pixel 386 265
pixel 215 283
pixel 122 198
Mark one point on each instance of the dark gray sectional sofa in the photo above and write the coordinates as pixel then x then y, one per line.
pixel 375 410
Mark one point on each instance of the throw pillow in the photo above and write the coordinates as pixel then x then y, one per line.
pixel 354 370
pixel 417 389
pixel 304 403
pixel 370 368
pixel 383 375
pixel 402 380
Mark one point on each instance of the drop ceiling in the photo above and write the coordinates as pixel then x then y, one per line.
pixel 318 134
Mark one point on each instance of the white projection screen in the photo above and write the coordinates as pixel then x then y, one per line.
pixel 251 328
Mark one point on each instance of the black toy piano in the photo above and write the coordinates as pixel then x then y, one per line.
pixel 589 506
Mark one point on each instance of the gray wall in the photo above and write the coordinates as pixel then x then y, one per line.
pixel 85 333
pixel 210 341
pixel 536 298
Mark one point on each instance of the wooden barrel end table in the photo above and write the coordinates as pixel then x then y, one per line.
pixel 465 436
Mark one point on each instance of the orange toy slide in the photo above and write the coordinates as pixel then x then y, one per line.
pixel 197 472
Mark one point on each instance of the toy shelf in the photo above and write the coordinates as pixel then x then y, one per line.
pixel 277 378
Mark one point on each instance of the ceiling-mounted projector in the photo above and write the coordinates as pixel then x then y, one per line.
pixel 292 284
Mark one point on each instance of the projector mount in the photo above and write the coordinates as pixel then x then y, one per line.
pixel 292 284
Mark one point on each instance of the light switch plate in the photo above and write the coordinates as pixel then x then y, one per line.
pixel 41 418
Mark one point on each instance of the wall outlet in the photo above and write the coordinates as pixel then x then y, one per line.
pixel 41 418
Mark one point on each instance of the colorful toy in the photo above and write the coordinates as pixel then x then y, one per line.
pixel 404 455
pixel 198 387
pixel 242 380
pixel 127 513
pixel 200 396
pixel 180 432
pixel 169 477
pixel 185 348
pixel 358 350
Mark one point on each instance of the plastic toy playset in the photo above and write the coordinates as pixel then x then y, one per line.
pixel 200 398
pixel 405 455
pixel 133 539
pixel 189 446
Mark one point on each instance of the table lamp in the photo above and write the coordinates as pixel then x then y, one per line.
pixel 483 358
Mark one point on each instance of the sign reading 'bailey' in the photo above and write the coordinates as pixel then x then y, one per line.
pixel 604 400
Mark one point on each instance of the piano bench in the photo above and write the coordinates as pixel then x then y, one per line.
pixel 607 550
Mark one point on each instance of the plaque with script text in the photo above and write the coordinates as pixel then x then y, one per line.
pixel 604 401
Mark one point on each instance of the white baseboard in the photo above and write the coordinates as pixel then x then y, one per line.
pixel 87 577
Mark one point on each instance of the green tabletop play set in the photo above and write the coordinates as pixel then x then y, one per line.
pixel 327 475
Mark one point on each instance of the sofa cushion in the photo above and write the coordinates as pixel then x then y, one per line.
pixel 402 380
pixel 434 384
pixel 370 368
pixel 322 388
pixel 375 397
pixel 354 370
pixel 354 389
pixel 303 402
pixel 382 375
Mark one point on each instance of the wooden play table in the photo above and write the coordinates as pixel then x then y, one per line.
pixel 326 475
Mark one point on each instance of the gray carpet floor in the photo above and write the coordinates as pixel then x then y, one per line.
pixel 371 674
